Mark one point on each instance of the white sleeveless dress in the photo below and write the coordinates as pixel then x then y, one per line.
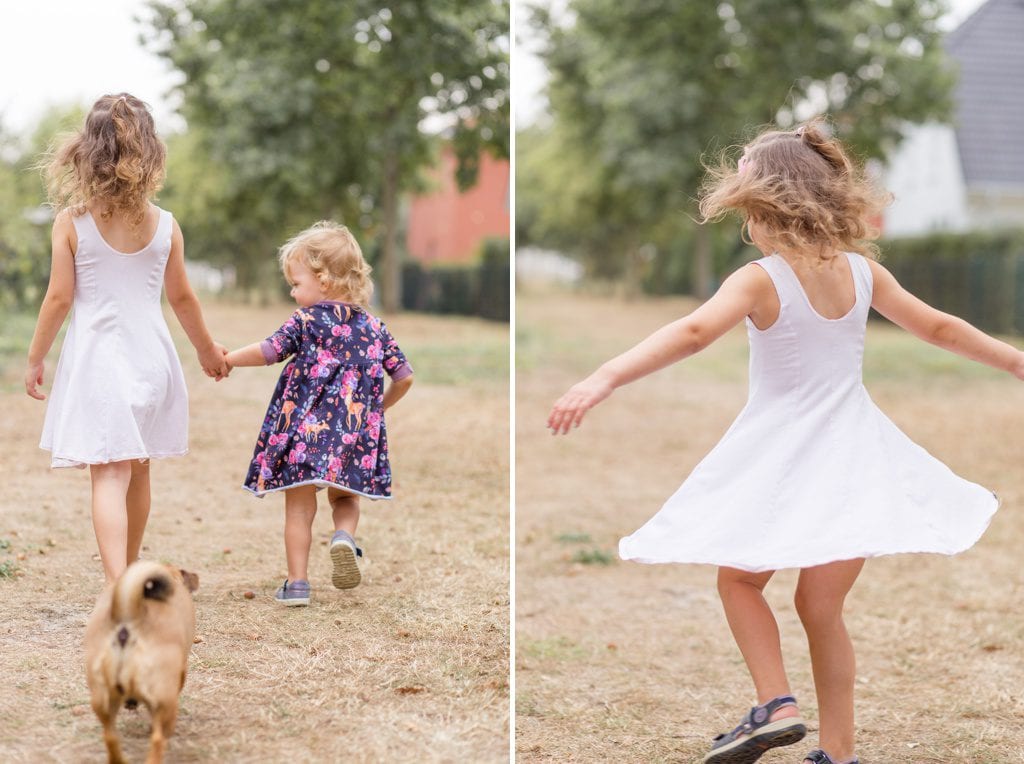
pixel 812 471
pixel 118 392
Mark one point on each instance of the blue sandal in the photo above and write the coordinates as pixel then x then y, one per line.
pixel 756 734
pixel 818 756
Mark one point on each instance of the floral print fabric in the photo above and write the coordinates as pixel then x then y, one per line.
pixel 325 422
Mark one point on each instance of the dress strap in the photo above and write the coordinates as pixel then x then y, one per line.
pixel 863 281
pixel 782 277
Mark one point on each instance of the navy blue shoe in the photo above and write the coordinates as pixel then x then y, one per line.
pixel 818 756
pixel 756 734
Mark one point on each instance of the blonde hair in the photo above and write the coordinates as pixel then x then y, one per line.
pixel 802 190
pixel 332 253
pixel 116 158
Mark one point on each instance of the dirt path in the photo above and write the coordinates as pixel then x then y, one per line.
pixel 410 666
pixel 626 662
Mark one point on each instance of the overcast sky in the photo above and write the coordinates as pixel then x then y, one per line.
pixel 62 52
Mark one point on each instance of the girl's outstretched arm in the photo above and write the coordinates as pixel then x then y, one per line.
pixel 941 329
pixel 186 307
pixel 59 295
pixel 744 293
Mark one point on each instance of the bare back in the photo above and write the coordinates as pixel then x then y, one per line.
pixel 122 237
pixel 828 287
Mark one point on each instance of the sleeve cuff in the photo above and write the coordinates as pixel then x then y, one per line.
pixel 269 354
pixel 403 371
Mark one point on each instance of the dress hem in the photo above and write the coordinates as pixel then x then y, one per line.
pixel 80 463
pixel 761 568
pixel 318 484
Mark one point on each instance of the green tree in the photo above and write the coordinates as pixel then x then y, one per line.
pixel 315 109
pixel 643 91
pixel 24 218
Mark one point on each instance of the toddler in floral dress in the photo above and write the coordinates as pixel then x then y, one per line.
pixel 324 427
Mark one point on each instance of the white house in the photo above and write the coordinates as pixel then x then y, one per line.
pixel 970 174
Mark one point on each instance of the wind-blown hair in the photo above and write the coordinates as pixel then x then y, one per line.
pixel 116 159
pixel 333 255
pixel 802 190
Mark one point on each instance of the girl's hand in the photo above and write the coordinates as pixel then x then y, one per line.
pixel 213 360
pixel 33 378
pixel 568 410
pixel 1018 368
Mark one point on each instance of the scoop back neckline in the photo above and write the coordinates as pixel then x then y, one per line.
pixel 114 249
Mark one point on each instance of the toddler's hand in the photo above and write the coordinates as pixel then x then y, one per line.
pixel 34 378
pixel 213 361
pixel 568 410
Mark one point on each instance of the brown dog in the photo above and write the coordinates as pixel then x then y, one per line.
pixel 136 650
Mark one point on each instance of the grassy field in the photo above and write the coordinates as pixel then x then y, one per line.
pixel 411 666
pixel 625 662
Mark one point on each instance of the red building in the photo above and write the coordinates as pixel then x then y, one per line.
pixel 448 226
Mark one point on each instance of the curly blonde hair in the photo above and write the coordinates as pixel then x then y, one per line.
pixel 332 253
pixel 803 191
pixel 116 159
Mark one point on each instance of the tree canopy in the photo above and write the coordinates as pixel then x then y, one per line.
pixel 316 109
pixel 642 92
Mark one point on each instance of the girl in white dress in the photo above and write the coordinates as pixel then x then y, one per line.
pixel 118 397
pixel 811 475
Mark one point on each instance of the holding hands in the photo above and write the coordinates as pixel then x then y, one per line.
pixel 213 359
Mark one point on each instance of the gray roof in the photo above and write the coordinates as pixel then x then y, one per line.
pixel 989 120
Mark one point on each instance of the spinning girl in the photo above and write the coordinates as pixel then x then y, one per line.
pixel 811 475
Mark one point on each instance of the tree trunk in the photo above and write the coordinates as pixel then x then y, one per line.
pixel 390 267
pixel 702 274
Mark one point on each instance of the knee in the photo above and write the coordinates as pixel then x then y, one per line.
pixel 732 583
pixel 112 472
pixel 816 610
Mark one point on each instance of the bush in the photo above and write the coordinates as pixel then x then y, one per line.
pixel 978 276
pixel 480 289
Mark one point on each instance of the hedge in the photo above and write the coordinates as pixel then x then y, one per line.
pixel 978 276
pixel 479 289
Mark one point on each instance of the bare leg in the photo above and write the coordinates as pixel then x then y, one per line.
pixel 138 501
pixel 299 511
pixel 110 515
pixel 820 594
pixel 344 510
pixel 756 633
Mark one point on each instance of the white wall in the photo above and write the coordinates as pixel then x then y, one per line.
pixel 925 176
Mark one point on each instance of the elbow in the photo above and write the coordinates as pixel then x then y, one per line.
pixel 941 331
pixel 695 338
pixel 59 302
pixel 181 301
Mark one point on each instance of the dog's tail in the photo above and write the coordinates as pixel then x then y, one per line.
pixel 141 581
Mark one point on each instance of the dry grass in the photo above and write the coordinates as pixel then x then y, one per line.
pixel 628 662
pixel 410 666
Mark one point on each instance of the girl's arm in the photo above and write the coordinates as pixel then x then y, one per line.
pixel 941 329
pixel 59 295
pixel 744 293
pixel 186 307
pixel 250 355
pixel 397 389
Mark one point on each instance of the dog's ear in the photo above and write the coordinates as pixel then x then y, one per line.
pixel 191 580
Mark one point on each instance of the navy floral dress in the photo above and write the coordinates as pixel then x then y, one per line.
pixel 325 423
